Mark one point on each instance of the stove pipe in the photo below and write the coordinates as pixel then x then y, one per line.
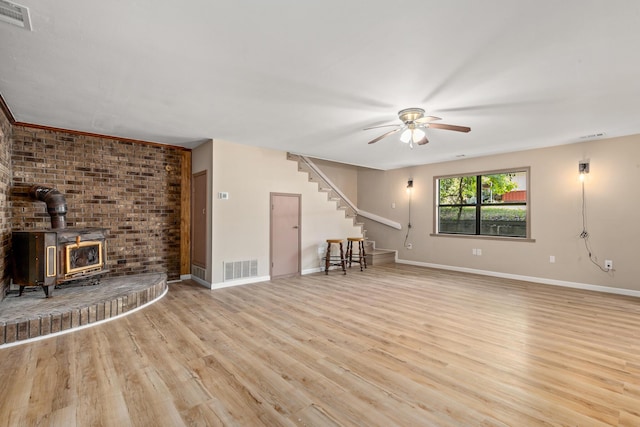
pixel 56 204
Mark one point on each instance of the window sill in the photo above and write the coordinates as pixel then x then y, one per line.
pixel 481 237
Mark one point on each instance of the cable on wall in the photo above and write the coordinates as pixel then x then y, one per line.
pixel 584 235
pixel 410 190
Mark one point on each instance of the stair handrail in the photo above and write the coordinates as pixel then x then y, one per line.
pixel 380 219
pixel 327 181
pixel 344 198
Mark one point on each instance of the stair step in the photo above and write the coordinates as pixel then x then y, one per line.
pixel 381 256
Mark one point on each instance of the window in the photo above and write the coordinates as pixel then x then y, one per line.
pixel 489 204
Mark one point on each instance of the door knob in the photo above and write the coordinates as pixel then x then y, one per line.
pixel 295 226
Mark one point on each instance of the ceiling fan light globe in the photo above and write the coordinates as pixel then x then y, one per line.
pixel 417 135
pixel 406 136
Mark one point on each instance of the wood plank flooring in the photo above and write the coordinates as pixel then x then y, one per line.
pixel 392 346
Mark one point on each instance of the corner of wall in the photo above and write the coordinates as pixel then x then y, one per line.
pixel 6 176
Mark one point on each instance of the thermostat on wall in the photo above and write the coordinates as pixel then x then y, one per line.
pixel 223 195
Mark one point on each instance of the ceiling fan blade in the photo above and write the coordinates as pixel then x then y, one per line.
pixel 449 127
pixel 391 132
pixel 427 119
pixel 423 141
pixel 381 126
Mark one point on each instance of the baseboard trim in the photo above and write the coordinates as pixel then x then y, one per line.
pixel 201 282
pixel 541 280
pixel 311 271
pixel 240 282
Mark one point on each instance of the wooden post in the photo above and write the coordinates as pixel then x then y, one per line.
pixel 185 214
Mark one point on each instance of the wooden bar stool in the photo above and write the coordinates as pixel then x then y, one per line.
pixel 335 259
pixel 360 255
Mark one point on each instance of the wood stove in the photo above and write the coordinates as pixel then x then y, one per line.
pixel 50 257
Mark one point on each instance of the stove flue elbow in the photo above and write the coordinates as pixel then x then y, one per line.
pixel 56 204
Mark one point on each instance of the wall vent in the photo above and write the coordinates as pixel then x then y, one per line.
pixel 240 269
pixel 15 14
pixel 198 272
pixel 593 135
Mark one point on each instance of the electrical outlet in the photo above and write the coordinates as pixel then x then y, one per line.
pixel 474 252
pixel 409 245
pixel 608 264
pixel 479 251
pixel 552 259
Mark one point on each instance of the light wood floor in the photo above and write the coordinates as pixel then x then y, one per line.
pixel 391 346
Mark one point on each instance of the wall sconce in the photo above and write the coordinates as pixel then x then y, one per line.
pixel 410 186
pixel 583 169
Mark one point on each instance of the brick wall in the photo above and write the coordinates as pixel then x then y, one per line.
pixel 132 189
pixel 5 206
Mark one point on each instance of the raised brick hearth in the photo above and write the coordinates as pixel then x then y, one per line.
pixel 32 315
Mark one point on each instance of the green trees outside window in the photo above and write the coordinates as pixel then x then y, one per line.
pixel 492 204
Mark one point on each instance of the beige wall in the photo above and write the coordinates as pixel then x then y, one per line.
pixel 240 225
pixel 556 221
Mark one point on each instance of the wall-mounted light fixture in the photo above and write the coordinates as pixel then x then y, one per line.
pixel 410 193
pixel 583 169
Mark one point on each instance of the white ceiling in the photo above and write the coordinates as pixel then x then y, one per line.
pixel 308 75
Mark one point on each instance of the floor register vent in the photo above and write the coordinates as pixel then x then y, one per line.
pixel 199 272
pixel 15 14
pixel 240 269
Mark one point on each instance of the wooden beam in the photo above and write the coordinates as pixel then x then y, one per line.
pixel 98 135
pixel 185 214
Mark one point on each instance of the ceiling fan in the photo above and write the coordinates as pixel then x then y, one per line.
pixel 414 122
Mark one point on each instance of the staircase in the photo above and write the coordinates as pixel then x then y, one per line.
pixel 374 255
